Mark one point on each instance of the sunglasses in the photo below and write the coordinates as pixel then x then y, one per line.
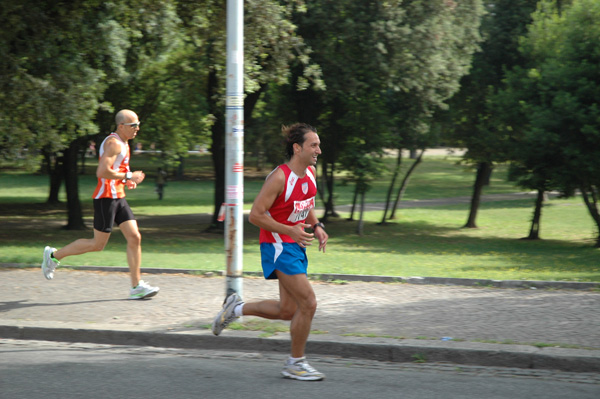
pixel 133 124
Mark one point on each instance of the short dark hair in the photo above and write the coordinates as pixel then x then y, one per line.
pixel 294 134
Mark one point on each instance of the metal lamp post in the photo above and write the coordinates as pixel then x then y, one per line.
pixel 234 147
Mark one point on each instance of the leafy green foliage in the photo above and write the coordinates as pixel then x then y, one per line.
pixel 386 66
pixel 474 124
pixel 56 61
pixel 555 100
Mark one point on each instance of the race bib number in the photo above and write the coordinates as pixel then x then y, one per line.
pixel 301 209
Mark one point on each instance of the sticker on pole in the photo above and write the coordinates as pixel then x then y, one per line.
pixel 234 192
pixel 221 216
pixel 238 131
pixel 234 101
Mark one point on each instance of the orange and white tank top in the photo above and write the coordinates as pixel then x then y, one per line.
pixel 111 188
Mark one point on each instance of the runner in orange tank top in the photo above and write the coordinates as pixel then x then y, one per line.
pixel 110 206
pixel 113 188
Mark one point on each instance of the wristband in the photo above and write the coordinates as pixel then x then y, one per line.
pixel 321 225
pixel 128 175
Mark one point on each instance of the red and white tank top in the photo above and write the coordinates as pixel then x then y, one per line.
pixel 111 188
pixel 294 203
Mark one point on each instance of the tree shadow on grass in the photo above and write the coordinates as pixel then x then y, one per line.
pixel 450 204
pixel 29 208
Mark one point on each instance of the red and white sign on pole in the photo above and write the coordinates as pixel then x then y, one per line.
pixel 238 167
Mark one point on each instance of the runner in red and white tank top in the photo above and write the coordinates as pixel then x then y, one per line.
pixel 282 210
pixel 111 188
pixel 293 205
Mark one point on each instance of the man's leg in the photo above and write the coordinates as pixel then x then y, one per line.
pixel 132 234
pixel 283 309
pixel 140 289
pixel 52 256
pixel 297 303
pixel 84 245
pixel 296 288
pixel 267 309
pixel 298 299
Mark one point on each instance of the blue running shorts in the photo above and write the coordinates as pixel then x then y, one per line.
pixel 288 258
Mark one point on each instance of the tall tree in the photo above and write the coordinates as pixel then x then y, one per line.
pixel 474 126
pixel 67 68
pixel 558 96
pixel 531 155
pixel 270 44
pixel 409 54
pixel 168 76
pixel 57 59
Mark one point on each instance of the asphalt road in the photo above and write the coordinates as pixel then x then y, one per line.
pixel 48 370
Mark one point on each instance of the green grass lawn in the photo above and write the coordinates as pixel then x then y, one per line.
pixel 426 241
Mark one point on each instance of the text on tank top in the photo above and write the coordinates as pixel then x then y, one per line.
pixel 293 205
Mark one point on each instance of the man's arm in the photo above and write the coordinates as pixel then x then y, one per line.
pixel 272 188
pixel 319 232
pixel 312 220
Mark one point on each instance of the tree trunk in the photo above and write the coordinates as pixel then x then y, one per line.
pixel 217 151
pixel 353 203
pixel 250 103
pixel 322 183
pixel 328 176
pixel 488 176
pixel 482 171
pixel 592 205
pixel 534 231
pixel 392 184
pixel 54 167
pixel 82 155
pixel 180 168
pixel 257 142
pixel 218 158
pixel 75 214
pixel 405 181
pixel 218 146
pixel 360 227
pixel 330 145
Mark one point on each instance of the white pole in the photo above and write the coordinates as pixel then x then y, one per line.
pixel 234 147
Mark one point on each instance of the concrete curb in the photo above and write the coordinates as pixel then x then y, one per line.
pixel 485 355
pixel 381 348
pixel 525 284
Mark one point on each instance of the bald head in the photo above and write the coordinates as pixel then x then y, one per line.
pixel 125 116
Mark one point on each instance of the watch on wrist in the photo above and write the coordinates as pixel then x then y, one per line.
pixel 128 175
pixel 321 225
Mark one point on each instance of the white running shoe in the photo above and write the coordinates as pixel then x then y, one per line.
pixel 301 370
pixel 48 263
pixel 226 315
pixel 143 290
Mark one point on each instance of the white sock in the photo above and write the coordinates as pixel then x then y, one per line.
pixel 238 310
pixel 292 360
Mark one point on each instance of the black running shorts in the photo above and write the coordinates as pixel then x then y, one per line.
pixel 109 210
